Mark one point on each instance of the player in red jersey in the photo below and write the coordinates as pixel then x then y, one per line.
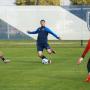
pixel 88 64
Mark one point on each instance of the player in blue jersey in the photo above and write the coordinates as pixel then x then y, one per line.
pixel 42 40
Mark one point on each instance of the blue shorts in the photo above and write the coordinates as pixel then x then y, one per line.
pixel 41 47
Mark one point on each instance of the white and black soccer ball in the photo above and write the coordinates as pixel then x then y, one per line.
pixel 44 61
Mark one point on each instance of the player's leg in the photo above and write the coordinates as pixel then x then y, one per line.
pixel 88 68
pixel 40 54
pixel 43 58
pixel 40 51
pixel 49 49
pixel 3 59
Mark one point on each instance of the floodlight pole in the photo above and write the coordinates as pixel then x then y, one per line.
pixel 8 31
pixel 59 2
pixel 37 2
pixel 82 17
pixel 81 43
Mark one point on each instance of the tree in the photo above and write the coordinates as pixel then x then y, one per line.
pixel 50 2
pixel 18 2
pixel 27 2
pixel 37 2
pixel 80 2
pixel 24 2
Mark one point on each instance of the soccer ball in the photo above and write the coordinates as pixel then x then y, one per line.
pixel 6 61
pixel 44 61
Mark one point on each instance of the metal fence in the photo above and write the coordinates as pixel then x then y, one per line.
pixel 8 32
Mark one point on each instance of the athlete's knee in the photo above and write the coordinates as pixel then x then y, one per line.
pixel 49 51
pixel 40 54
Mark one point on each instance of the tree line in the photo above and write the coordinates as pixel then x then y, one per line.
pixel 50 2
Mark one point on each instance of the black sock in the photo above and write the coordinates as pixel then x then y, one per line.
pixel 3 58
pixel 88 65
pixel 53 51
pixel 42 57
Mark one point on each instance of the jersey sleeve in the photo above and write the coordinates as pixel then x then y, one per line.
pixel 51 32
pixel 86 49
pixel 33 32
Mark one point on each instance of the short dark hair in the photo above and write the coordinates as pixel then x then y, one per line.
pixel 42 20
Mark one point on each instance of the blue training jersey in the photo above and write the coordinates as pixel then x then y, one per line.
pixel 43 34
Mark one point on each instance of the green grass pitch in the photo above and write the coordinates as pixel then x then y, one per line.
pixel 25 72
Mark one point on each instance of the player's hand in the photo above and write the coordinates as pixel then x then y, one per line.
pixel 28 31
pixel 59 38
pixel 79 60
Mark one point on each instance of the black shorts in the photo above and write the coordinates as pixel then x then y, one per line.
pixel 41 47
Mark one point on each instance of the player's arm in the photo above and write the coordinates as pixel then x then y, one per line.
pixel 33 32
pixel 86 49
pixel 84 53
pixel 52 33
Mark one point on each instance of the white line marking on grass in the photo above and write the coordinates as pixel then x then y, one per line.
pixel 35 43
pixel 38 57
pixel 59 72
pixel 21 57
pixel 72 71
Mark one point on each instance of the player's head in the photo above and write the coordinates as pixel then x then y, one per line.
pixel 42 22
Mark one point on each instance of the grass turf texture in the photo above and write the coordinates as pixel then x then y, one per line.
pixel 25 72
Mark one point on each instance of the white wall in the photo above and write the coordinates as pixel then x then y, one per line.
pixel 62 22
pixel 65 2
pixel 7 2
